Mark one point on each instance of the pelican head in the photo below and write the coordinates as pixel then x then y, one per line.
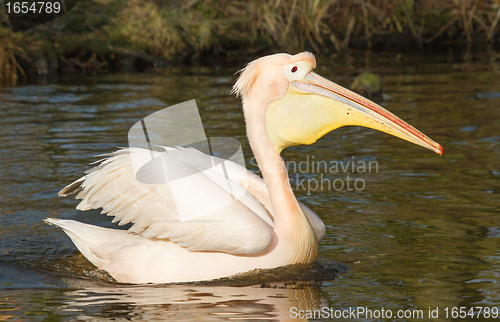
pixel 302 106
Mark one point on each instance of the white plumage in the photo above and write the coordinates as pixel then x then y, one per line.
pixel 159 247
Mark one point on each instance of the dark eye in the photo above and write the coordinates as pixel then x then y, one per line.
pixel 294 69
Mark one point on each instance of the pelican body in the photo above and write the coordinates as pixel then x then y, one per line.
pixel 285 104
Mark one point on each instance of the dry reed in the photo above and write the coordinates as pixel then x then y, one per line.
pixel 190 28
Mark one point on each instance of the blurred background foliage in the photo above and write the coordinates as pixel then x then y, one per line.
pixel 107 35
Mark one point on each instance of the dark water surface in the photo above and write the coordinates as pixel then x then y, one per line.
pixel 424 232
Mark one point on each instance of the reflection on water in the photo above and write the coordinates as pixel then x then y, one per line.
pixel 161 303
pixel 194 303
pixel 422 233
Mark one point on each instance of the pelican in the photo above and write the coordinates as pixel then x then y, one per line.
pixel 285 103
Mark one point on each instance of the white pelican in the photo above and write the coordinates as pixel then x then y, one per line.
pixel 285 104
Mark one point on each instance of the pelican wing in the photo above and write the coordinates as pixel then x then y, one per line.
pixel 174 196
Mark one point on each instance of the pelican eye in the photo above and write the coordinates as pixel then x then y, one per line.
pixel 297 70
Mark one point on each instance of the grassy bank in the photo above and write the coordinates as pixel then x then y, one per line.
pixel 102 35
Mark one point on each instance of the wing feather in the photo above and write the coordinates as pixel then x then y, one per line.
pixel 221 215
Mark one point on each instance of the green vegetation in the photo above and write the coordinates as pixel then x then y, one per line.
pixel 112 34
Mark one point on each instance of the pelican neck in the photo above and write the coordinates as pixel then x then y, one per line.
pixel 284 203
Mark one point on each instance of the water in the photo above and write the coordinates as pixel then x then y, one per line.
pixel 423 233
